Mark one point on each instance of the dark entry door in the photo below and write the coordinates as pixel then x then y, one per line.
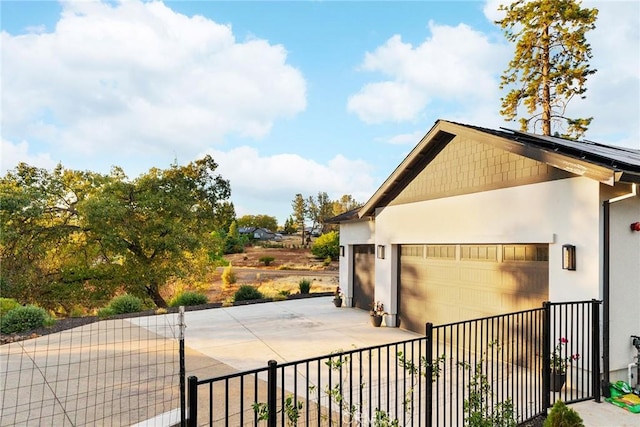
pixel 364 276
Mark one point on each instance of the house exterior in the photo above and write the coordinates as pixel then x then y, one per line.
pixel 476 222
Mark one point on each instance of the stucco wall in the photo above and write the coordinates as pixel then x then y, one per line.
pixel 624 283
pixel 555 212
pixel 352 233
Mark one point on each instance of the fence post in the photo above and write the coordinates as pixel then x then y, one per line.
pixel 272 387
pixel 546 356
pixel 595 352
pixel 192 420
pixel 183 405
pixel 429 375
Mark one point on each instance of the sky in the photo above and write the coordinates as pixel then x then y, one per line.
pixel 288 97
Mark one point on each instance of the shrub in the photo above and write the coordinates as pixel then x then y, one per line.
pixel 304 285
pixel 188 298
pixel 246 293
pixel 327 245
pixel 125 304
pixel 327 261
pixel 106 312
pixel 7 304
pixel 266 260
pixel 22 319
pixel 228 275
pixel 561 415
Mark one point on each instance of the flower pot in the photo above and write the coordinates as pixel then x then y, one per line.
pixel 376 321
pixel 557 381
pixel 337 302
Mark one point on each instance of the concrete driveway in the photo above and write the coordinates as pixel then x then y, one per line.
pixel 223 340
pixel 247 337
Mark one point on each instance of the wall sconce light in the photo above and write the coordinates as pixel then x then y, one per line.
pixel 568 257
pixel 341 250
pixel 381 251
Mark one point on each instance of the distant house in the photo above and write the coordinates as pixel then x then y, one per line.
pixel 246 230
pixel 476 222
pixel 264 234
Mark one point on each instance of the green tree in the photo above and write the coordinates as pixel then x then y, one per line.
pixel 325 208
pixel 148 225
pixel 344 204
pixel 259 221
pixel 299 206
pixel 225 214
pixel 313 212
pixel 43 251
pixel 70 236
pixel 289 226
pixel 551 61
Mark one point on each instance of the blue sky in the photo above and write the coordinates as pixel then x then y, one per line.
pixel 288 97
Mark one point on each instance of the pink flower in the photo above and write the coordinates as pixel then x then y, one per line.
pixel 563 340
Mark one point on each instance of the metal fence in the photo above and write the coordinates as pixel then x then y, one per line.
pixel 489 367
pixel 113 372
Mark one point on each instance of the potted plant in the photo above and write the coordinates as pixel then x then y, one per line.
pixel 377 311
pixel 337 297
pixel 559 362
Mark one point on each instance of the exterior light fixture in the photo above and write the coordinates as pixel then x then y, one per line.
pixel 381 251
pixel 341 250
pixel 568 257
pixel 635 226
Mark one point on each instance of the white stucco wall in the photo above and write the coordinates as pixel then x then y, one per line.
pixel 556 212
pixel 624 284
pixel 352 233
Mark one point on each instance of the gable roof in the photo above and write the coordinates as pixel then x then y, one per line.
pixel 604 163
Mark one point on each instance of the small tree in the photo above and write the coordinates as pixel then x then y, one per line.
pixel 228 276
pixel 551 62
pixel 299 206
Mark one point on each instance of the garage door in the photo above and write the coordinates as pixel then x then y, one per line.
pixel 449 283
pixel 364 262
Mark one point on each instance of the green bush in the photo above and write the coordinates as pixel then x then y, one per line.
pixel 106 312
pixel 267 260
pixel 25 318
pixel 188 298
pixel 327 245
pixel 561 415
pixel 304 285
pixel 246 293
pixel 228 275
pixel 7 304
pixel 125 304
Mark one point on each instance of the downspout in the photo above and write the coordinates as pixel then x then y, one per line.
pixel 606 281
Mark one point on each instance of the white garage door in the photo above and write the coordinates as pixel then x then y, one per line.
pixel 448 283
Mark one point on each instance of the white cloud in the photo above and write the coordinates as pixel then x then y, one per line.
pixel 12 154
pixel 281 176
pixel 406 138
pixel 140 78
pixel 454 64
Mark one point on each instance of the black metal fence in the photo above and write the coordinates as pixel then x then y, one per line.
pixel 492 367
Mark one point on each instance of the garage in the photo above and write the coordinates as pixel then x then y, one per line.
pixel 364 279
pixel 448 283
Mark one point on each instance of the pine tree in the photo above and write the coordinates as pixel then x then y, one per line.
pixel 551 62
